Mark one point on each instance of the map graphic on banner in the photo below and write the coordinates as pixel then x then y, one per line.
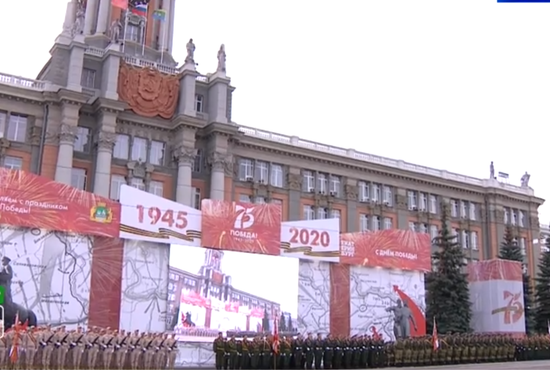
pixel 312 239
pixel 30 200
pixel 148 217
pixel 241 227
pixel 393 249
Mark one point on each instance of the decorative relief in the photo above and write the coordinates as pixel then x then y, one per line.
pixel 35 135
pixel 148 92
pixel 221 162
pixel 351 192
pixel 106 141
pixel 67 134
pixel 294 181
pixel 533 220
pixel 499 215
pixel 139 170
pixel 401 202
pixel 185 155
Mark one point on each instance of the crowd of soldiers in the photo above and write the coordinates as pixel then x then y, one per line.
pixel 57 348
pixel 361 352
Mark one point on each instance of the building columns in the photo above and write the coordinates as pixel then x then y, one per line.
pixel 70 114
pixel 184 188
pixel 219 164
pixel 90 18
pixel 102 177
pixel 103 16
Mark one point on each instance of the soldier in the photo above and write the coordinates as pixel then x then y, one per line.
pixel 231 351
pixel 218 347
pixel 3 350
pixel 172 348
pixel 61 347
pixel 245 353
pixel 30 343
pixel 148 350
pixel 265 353
pixel 309 349
pixel 285 351
pixel 254 350
pixel 297 352
pixel 47 347
pixel 157 345
pixel 120 349
pixel 318 351
pixel 76 342
pixel 136 344
pixel 92 346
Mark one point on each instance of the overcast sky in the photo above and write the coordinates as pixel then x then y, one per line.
pixel 448 84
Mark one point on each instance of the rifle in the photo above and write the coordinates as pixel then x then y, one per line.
pixel 148 345
pixel 93 342
pixel 173 346
pixel 44 344
pixel 77 341
pixel 135 344
pixel 107 344
pixel 160 345
pixel 117 346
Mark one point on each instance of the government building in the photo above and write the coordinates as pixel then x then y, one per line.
pixel 112 107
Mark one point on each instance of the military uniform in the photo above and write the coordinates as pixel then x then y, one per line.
pixel 31 346
pixel 76 347
pixel 47 348
pixel 92 347
pixel 172 352
pixel 218 347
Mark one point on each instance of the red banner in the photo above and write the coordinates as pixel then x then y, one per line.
pixel 29 200
pixel 399 249
pixel 241 227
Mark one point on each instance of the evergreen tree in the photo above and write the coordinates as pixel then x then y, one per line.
pixel 289 325
pixel 542 292
pixel 511 251
pixel 447 289
pixel 265 322
pixel 282 323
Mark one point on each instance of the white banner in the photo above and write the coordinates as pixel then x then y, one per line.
pixel 317 240
pixel 152 218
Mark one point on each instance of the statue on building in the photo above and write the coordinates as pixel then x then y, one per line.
pixel 221 58
pixel 525 180
pixel 78 26
pixel 115 31
pixel 492 171
pixel 402 314
pixel 190 52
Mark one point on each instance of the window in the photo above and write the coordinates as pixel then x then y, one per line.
pixel 138 184
pixel 423 205
pixel 473 240
pixel 376 196
pixel 334 185
pixel 454 208
pixel 78 178
pixel 13 163
pixel 411 196
pixel 473 211
pixel 465 239
pixel 363 222
pixel 433 232
pixel 455 232
pixel 522 246
pixel 197 198
pixel 364 191
pixel 309 213
pixel 157 188
pixel 259 200
pixel 506 216
pixel 88 78
pixel 122 147
pixel 521 219
pixel 463 209
pixel 139 149
pixel 308 183
pixel 276 201
pixel 388 196
pixel 388 223
pixel 276 178
pixel 412 226
pixel 246 170
pixel 82 141
pixel 322 183
pixel 199 103
pixel 322 213
pixel 156 156
pixel 116 182
pixel 2 124
pixel 433 204
pixel 17 128
pixel 133 33
pixel 245 198
pixel 335 213
pixel 423 228
pixel 197 164
pixel 514 217
pixel 376 223
pixel 261 172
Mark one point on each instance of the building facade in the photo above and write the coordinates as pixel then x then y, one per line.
pixel 96 118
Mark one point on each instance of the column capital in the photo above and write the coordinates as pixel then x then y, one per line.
pixel 221 162
pixel 105 141
pixel 185 155
pixel 67 134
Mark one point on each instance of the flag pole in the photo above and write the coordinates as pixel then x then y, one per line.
pixel 126 16
pixel 163 25
pixel 144 30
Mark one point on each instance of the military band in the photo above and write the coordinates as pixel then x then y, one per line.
pixel 363 352
pixel 57 348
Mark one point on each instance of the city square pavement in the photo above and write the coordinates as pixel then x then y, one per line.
pixel 527 365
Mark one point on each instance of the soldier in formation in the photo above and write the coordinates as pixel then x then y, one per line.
pixel 366 351
pixel 58 348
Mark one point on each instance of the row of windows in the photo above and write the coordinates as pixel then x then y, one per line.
pixel 13 163
pixel 419 201
pixel 261 172
pixel 374 223
pixel 322 183
pixel 375 193
pixel 514 217
pixel 463 209
pixel 320 213
pixel 244 198
pixel 468 239
pixel 13 126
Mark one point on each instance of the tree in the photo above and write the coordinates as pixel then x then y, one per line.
pixel 447 289
pixel 282 323
pixel 265 322
pixel 542 292
pixel 511 251
pixel 289 325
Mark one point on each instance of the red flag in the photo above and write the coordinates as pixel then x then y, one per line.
pixel 276 337
pixel 122 4
pixel 15 345
pixel 435 340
